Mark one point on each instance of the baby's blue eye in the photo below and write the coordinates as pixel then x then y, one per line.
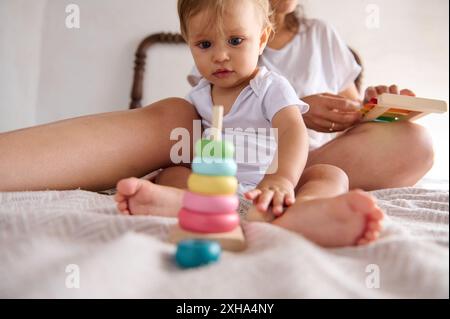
pixel 204 45
pixel 235 41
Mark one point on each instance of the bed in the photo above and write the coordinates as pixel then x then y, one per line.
pixel 44 235
pixel 75 244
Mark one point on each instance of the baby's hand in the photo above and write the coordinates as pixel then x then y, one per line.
pixel 273 189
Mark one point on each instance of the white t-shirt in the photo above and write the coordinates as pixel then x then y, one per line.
pixel 248 124
pixel 316 61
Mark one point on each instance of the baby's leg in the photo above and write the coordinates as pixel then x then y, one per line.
pixel 325 213
pixel 140 197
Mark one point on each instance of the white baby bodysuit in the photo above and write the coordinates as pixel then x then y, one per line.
pixel 248 123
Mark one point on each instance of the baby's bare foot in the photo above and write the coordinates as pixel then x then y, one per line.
pixel 141 197
pixel 346 220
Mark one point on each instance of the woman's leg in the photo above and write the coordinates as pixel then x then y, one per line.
pixel 176 176
pixel 92 152
pixel 376 155
pixel 325 213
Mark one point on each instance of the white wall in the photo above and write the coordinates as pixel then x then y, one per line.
pixel 89 70
pixel 410 48
pixel 21 24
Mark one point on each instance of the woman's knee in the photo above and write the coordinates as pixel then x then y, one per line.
pixel 163 117
pixel 327 172
pixel 172 110
pixel 417 144
pixel 423 143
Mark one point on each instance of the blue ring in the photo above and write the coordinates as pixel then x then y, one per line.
pixel 214 167
pixel 196 252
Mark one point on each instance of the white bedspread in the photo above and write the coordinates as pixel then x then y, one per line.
pixel 41 233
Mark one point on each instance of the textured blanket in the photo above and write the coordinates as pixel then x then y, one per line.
pixel 74 244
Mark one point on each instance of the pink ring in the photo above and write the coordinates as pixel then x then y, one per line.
pixel 210 204
pixel 207 224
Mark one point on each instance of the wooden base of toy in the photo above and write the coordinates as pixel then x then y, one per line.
pixel 232 241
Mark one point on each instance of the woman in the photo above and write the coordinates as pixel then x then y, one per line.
pixel 94 152
pixel 373 155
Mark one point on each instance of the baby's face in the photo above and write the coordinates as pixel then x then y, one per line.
pixel 229 59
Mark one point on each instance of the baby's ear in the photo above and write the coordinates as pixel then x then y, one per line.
pixel 265 35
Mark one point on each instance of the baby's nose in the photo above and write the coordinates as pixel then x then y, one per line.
pixel 221 55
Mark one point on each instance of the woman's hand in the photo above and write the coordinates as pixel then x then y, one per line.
pixel 273 189
pixel 334 113
pixel 372 92
pixel 331 113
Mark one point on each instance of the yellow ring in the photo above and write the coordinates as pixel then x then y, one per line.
pixel 212 185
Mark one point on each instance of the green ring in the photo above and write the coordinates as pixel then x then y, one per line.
pixel 215 149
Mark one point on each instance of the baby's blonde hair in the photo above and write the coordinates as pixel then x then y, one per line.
pixel 189 8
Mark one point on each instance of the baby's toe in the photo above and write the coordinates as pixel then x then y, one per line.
pixel 371 235
pixel 362 242
pixel 376 214
pixel 118 197
pixel 122 206
pixel 374 226
pixel 368 237
pixel 128 187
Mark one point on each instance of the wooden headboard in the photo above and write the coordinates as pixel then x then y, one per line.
pixel 175 38
pixel 141 56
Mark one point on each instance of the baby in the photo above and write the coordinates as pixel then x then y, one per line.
pixel 226 38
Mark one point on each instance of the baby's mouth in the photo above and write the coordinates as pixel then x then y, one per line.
pixel 222 73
